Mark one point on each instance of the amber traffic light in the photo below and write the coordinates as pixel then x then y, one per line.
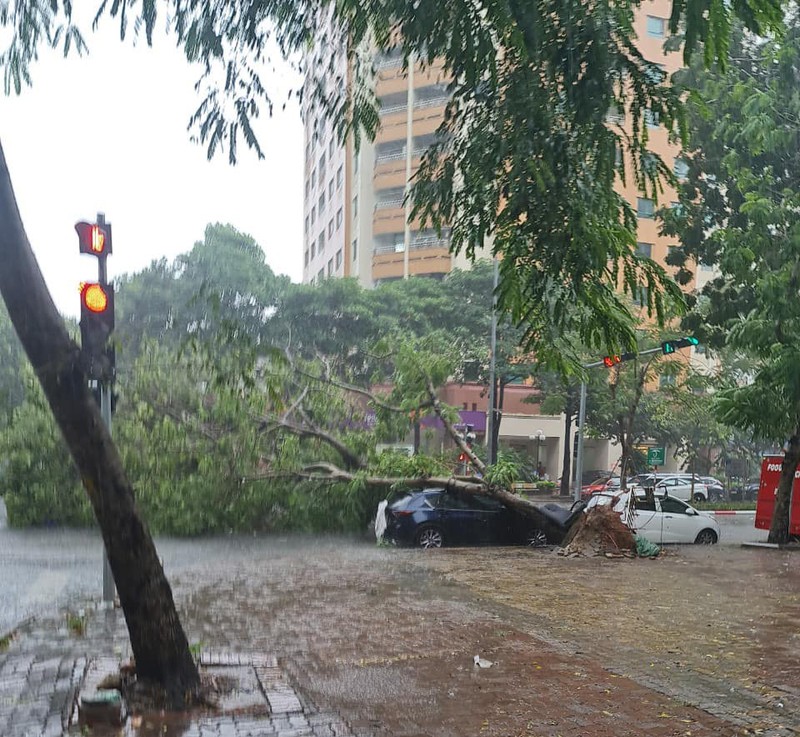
pixel 97 324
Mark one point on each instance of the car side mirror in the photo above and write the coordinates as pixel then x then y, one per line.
pixel 661 490
pixel 692 512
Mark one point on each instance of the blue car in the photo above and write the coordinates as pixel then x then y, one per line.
pixel 432 518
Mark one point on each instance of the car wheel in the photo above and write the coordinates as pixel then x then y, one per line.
pixel 706 537
pixel 536 538
pixel 429 536
pixel 698 498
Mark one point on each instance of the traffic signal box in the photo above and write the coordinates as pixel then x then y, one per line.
pixel 97 303
pixel 94 238
pixel 97 324
pixel 667 347
pixel 670 346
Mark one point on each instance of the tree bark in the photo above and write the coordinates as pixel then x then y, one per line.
pixel 779 527
pixel 498 417
pixel 159 644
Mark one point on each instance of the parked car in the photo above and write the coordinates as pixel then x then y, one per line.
pixel 604 483
pixel 676 485
pixel 664 519
pixel 432 518
pixel 716 491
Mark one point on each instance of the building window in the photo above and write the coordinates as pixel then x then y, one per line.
pixel 321 242
pixel 645 249
pixel 338 259
pixel 322 163
pixel 306 223
pixel 474 407
pixel 339 177
pixel 313 214
pixel 651 118
pixel 330 267
pixel 656 27
pixel 313 249
pixel 355 164
pixel 680 168
pixel 313 178
pixel 355 248
pixel 339 217
pixel 666 380
pixel 306 263
pixel 330 149
pixel 321 276
pixel 330 229
pixel 321 202
pixel 355 207
pixel 308 187
pixel 330 189
pixel 645 208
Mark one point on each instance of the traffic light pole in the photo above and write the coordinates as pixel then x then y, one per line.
pixel 582 420
pixel 105 412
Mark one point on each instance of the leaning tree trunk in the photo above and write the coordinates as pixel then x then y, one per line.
pixel 779 527
pixel 159 644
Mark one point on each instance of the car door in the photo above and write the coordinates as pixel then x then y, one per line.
pixel 646 520
pixel 461 521
pixel 678 525
pixel 493 520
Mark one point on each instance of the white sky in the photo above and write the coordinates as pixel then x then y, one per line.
pixel 107 133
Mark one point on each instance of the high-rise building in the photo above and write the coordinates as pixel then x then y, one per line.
pixel 356 223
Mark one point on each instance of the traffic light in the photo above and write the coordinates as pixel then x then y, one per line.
pixel 670 346
pixel 611 361
pixel 94 238
pixel 97 324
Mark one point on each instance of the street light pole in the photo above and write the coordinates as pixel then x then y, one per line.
pixel 490 417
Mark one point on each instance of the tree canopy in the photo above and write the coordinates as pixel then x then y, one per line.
pixel 536 80
pixel 740 211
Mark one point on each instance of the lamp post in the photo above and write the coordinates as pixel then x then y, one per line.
pixel 538 437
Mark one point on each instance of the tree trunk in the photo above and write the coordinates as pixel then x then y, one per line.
pixel 566 474
pixel 417 437
pixel 779 527
pixel 159 644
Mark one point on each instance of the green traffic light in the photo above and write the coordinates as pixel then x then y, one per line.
pixel 693 341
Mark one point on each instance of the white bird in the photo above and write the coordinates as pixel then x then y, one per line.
pixel 482 662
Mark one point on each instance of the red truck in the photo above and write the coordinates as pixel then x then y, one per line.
pixel 768 488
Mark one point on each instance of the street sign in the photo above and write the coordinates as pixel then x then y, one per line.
pixel 656 456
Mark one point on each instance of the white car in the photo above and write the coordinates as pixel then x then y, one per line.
pixel 680 487
pixel 665 519
pixel 662 519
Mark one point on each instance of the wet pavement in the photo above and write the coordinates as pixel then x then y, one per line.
pixel 380 641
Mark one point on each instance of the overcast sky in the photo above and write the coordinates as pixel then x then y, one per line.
pixel 107 133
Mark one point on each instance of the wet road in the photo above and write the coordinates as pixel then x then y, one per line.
pixel 43 570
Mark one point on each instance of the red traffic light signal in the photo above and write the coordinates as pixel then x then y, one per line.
pixel 611 361
pixel 93 238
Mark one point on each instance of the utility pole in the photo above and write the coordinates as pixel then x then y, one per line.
pixel 491 417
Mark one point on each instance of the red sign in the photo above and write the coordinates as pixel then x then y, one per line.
pixel 767 491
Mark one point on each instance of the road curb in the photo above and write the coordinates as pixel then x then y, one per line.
pixel 749 512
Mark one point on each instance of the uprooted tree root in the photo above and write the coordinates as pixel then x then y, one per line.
pixel 600 531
